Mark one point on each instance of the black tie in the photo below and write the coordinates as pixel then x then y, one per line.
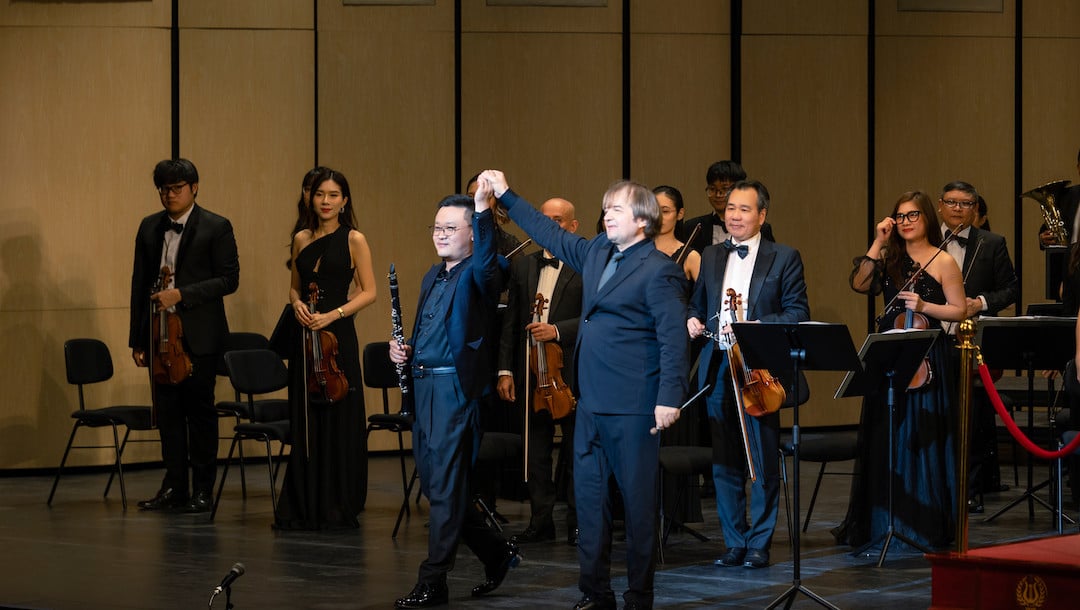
pixel 960 240
pixel 742 249
pixel 176 226
pixel 548 262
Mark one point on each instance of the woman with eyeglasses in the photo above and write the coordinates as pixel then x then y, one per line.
pixel 923 478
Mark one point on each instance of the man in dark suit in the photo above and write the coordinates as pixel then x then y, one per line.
pixel 452 358
pixel 198 246
pixel 632 360
pixel 719 179
pixel 769 278
pixel 990 285
pixel 532 275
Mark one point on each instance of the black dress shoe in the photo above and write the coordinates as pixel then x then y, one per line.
pixel 166 499
pixel 497 573
pixel 424 595
pixel 756 558
pixel 572 536
pixel 596 602
pixel 201 502
pixel 975 507
pixel 733 557
pixel 535 534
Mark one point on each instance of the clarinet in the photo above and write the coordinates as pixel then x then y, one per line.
pixel 399 335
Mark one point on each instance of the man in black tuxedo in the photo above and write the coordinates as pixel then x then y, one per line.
pixel 451 358
pixel 632 358
pixel 541 273
pixel 198 246
pixel 990 285
pixel 719 179
pixel 769 278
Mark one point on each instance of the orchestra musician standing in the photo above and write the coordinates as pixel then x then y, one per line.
pixel 769 276
pixel 632 363
pixel 719 178
pixel 199 248
pixel 542 274
pixel 451 358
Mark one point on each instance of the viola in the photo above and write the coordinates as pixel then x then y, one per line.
pixel 762 393
pixel 324 376
pixel 546 363
pixel 169 363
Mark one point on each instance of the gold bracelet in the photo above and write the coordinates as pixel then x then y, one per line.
pixel 340 313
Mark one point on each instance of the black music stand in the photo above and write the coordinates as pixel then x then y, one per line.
pixel 1028 343
pixel 811 346
pixel 887 358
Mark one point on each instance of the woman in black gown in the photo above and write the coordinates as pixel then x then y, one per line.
pixel 326 480
pixel 924 472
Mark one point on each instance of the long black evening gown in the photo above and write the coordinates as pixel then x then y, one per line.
pixel 328 489
pixel 924 472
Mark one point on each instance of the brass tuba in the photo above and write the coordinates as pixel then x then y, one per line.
pixel 1045 195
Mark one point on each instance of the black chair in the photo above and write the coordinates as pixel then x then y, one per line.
pixel 259 371
pixel 379 373
pixel 822 447
pixel 680 461
pixel 88 361
pixel 237 409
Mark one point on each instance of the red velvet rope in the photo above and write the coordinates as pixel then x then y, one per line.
pixel 1014 430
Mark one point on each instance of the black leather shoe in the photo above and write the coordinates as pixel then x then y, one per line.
pixel 424 595
pixel 166 499
pixel 572 536
pixel 975 507
pixel 733 557
pixel 497 573
pixel 201 502
pixel 756 558
pixel 596 602
pixel 535 534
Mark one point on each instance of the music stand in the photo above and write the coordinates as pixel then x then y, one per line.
pixel 1028 343
pixel 886 358
pixel 812 346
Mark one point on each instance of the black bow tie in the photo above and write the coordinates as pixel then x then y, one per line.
pixel 544 261
pixel 175 226
pixel 742 249
pixel 963 241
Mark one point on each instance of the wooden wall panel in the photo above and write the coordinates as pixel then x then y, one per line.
pixel 149 13
pixel 683 17
pixel 950 24
pixel 803 95
pixel 478 16
pixel 827 17
pixel 247 14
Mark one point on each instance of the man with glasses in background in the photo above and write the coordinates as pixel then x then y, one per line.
pixel 719 179
pixel 990 285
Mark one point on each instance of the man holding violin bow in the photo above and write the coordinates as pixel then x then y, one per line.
pixel 767 283
pixel 540 279
pixel 194 251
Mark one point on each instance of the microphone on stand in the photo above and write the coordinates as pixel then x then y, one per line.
pixel 234 572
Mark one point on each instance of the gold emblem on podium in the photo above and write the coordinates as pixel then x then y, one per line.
pixel 1030 592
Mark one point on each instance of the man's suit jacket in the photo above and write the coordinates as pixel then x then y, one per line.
pixel 988 271
pixel 632 349
pixel 207 269
pixel 707 222
pixel 777 292
pixel 471 320
pixel 565 313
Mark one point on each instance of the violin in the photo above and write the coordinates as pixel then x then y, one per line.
pixel 169 363
pixel 324 376
pixel 762 393
pixel 546 363
pixel 914 320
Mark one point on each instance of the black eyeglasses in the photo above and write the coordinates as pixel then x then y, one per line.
pixel 912 216
pixel 712 191
pixel 174 189
pixel 952 203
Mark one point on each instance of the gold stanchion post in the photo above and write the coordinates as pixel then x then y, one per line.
pixel 964 334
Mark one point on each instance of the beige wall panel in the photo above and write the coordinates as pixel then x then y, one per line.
pixel 1051 138
pixel 1051 19
pixel 797 17
pixel 804 137
pixel 386 120
pixel 412 21
pixel 268 14
pixel 553 121
pixel 680 111
pixel 682 17
pixel 152 13
pixel 477 16
pixel 246 108
pixel 891 22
